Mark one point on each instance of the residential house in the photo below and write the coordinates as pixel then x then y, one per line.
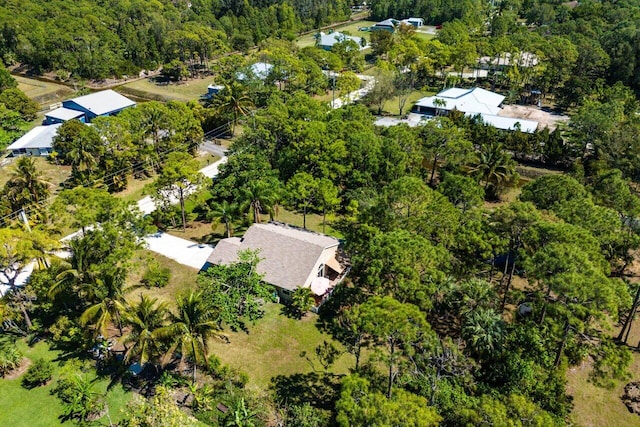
pixel 259 70
pixel 327 41
pixel 290 258
pixel 473 103
pixel 505 60
pixel 37 142
pixel 416 22
pixel 386 25
pixel 88 107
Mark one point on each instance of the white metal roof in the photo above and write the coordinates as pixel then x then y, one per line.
pixel 103 102
pixel 509 123
pixel 64 114
pixel 38 137
pixel 476 100
pixel 330 39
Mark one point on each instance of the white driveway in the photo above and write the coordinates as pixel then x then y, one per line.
pixel 185 252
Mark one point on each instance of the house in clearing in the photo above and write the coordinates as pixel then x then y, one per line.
pixel 37 142
pixel 290 258
pixel 476 102
pixel 393 24
pixel 327 41
pixel 88 107
pixel 258 70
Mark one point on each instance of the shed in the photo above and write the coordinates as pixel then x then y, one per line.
pixel 61 115
pixel 386 25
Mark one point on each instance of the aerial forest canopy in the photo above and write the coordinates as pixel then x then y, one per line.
pixel 101 39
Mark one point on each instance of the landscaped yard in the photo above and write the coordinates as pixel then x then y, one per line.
pixel 188 90
pixel 52 173
pixel 391 106
pixel 273 347
pixel 351 28
pixel 20 407
pixel 44 93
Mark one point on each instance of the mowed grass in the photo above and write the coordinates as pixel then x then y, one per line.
pixel 391 107
pixel 351 28
pixel 596 406
pixel 20 407
pixel 52 173
pixel 188 90
pixel 44 93
pixel 273 347
pixel 182 277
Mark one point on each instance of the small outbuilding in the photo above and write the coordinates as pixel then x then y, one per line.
pixel 386 25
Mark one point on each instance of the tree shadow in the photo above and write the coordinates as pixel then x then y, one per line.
pixel 291 312
pixel 319 390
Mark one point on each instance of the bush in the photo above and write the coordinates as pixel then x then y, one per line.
pixel 39 373
pixel 10 357
pixel 67 334
pixel 156 276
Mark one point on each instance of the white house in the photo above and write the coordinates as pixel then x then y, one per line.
pixel 289 258
pixel 327 41
pixel 259 70
pixel 37 142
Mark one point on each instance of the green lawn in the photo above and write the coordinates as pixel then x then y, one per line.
pixel 351 28
pixel 44 93
pixel 52 173
pixel 391 106
pixel 182 277
pixel 188 90
pixel 37 407
pixel 273 347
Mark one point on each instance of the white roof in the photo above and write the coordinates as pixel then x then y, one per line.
pixel 336 37
pixel 38 137
pixel 522 59
pixel 509 123
pixel 387 23
pixel 218 87
pixel 103 102
pixel 476 101
pixel 64 114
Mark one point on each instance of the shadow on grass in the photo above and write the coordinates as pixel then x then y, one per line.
pixel 319 390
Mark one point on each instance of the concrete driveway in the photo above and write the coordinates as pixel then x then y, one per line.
pixel 183 251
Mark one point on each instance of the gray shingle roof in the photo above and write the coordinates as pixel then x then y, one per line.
pixel 288 255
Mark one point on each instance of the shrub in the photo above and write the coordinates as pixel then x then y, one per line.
pixel 156 276
pixel 10 358
pixel 39 373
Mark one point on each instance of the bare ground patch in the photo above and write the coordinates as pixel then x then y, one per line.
pixel 544 117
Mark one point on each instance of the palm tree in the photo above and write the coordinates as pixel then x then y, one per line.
pixel 26 185
pixel 144 319
pixel 258 197
pixel 79 274
pixel 110 303
pixel 190 329
pixel 224 212
pixel 82 160
pixel 233 102
pixel 483 330
pixel 494 166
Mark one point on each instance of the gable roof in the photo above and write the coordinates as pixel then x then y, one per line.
pixel 336 37
pixel 476 100
pixel 387 23
pixel 288 255
pixel 64 114
pixel 102 102
pixel 38 137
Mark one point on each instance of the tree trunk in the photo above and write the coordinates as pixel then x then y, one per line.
pixel 391 373
pixel 509 279
pixel 27 319
pixel 565 335
pixel 184 217
pixel 304 217
pixel 544 307
pixel 433 170
pixel 629 320
pixel 228 227
pixel 324 218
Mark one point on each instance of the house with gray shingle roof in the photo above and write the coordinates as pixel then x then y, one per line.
pixel 289 258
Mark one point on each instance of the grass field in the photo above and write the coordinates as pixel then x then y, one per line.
pixel 52 173
pixel 351 28
pixel 273 347
pixel 44 93
pixel 391 106
pixel 20 407
pixel 184 91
